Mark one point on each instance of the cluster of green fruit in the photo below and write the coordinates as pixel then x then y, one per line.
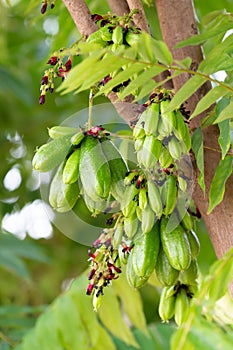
pixel 88 164
pixel 163 239
pixel 150 228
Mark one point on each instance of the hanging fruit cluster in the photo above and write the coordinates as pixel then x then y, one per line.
pixel 88 164
pixel 150 229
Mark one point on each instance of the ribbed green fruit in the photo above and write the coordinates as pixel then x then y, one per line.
pixel 94 169
pixel 166 304
pixel 62 197
pixel 118 168
pixel 166 274
pixel 71 168
pixel 176 246
pixel 145 252
pixel 59 131
pixel 181 307
pixel 50 155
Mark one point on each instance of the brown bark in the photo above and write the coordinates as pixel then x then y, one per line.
pixel 178 23
pixel 81 16
pixel 119 7
pixel 139 18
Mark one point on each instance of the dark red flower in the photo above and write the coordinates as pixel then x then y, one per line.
pixel 95 17
pixel 42 99
pixel 91 274
pixel 68 65
pixel 44 80
pixel 89 288
pixel 52 61
pixel 43 8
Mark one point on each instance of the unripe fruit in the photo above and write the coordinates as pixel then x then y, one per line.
pixel 166 304
pixel 133 279
pixel 117 237
pixel 152 119
pixel 71 168
pixel 194 243
pixel 94 170
pixel 165 159
pixel 129 200
pixel 181 307
pixel 189 276
pixel 59 131
pixel 145 252
pixel 62 197
pixel 50 155
pixel 77 138
pixel 176 246
pixel 131 225
pixel 175 148
pixel 142 198
pixel 166 274
pixel 169 195
pixel 118 168
pixel 155 199
pixel 148 219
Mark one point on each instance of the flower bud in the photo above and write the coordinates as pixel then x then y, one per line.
pixel 42 99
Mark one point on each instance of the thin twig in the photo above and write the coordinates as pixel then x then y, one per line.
pixel 229 153
pixel 81 16
pixel 139 18
pixel 119 7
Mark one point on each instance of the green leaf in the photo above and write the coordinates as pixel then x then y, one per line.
pixel 195 321
pixel 101 69
pixel 141 80
pixel 69 324
pixel 25 248
pixel 199 39
pixel 197 147
pixel 85 307
pixel 31 342
pixel 158 338
pixel 206 335
pixel 225 114
pixel 121 77
pixel 186 91
pixel 45 334
pixel 221 273
pixel 146 90
pixel 132 303
pixel 14 264
pixel 224 139
pixel 79 73
pixel 111 317
pixel 161 52
pixel 211 97
pixel 104 341
pixel 217 188
pixel 185 63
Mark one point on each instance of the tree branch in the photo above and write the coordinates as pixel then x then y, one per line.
pixel 81 16
pixel 140 17
pixel 178 23
pixel 119 7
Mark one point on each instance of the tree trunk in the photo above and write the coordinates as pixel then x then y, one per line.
pixel 177 23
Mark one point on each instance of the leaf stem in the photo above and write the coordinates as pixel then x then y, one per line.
pixel 229 153
pixel 91 96
pixel 124 137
